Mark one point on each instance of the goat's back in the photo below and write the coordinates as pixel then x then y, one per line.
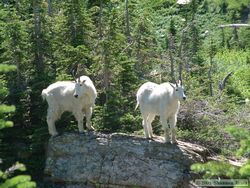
pixel 153 97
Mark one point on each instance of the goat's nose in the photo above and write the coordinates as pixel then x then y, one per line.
pixel 75 96
pixel 184 98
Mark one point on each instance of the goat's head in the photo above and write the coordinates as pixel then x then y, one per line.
pixel 179 90
pixel 80 87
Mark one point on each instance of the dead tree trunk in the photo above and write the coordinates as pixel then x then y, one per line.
pixel 180 54
pixel 210 81
pixel 106 74
pixel 104 53
pixel 223 37
pixel 170 50
pixel 100 32
pixel 50 8
pixel 211 56
pixel 222 83
pixel 37 36
pixel 127 25
pixel 127 22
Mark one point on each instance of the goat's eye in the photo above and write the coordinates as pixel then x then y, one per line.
pixel 176 89
pixel 80 84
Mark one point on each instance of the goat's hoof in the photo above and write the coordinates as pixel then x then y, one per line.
pixel 82 133
pixel 167 142
pixel 91 128
pixel 149 139
pixel 175 142
pixel 55 135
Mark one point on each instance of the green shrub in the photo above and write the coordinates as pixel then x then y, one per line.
pixel 213 169
pixel 6 179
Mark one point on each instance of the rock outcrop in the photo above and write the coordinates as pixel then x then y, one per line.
pixel 118 160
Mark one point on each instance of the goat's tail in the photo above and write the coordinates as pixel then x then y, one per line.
pixel 137 104
pixel 137 100
pixel 44 94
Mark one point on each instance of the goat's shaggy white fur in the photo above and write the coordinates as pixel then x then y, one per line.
pixel 162 100
pixel 76 97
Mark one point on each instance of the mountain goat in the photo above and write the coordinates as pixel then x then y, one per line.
pixel 162 100
pixel 76 96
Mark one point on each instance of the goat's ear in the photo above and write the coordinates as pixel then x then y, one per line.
pixel 176 84
pixel 74 71
pixel 179 83
pixel 83 81
pixel 172 85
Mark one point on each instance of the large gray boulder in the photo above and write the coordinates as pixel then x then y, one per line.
pixel 117 160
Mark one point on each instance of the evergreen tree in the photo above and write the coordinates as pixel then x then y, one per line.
pixel 216 169
pixel 15 50
pixel 6 181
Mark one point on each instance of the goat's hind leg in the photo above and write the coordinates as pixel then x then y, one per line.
pixel 149 122
pixel 145 125
pixel 51 118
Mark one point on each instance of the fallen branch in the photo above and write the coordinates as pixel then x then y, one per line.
pixel 234 25
pixel 127 47
pixel 223 82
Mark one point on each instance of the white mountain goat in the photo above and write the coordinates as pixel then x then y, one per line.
pixel 76 96
pixel 162 100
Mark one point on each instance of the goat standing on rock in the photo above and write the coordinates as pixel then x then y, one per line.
pixel 162 100
pixel 77 97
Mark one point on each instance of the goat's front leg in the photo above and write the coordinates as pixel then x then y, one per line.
pixel 88 113
pixel 79 117
pixel 172 122
pixel 165 128
pixel 149 122
pixel 51 118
